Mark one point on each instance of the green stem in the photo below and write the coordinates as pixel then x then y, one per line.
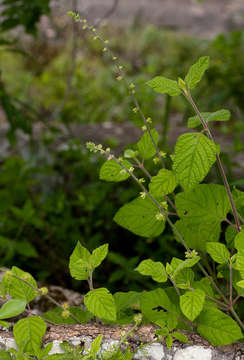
pixel 231 285
pixel 237 318
pixel 165 120
pixel 143 169
pixel 224 306
pixel 219 163
pixel 207 265
pixel 46 295
pixel 90 281
pixel 176 232
pixel 230 223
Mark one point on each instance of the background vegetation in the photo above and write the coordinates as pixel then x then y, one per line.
pixel 55 92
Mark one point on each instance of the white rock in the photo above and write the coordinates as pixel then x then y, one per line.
pixel 193 353
pixel 152 352
pixel 56 349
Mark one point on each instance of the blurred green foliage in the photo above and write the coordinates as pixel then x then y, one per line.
pixel 52 197
pixel 22 12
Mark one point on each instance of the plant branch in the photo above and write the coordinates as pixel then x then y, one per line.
pixel 163 212
pixel 90 281
pixel 231 224
pixel 143 169
pixel 46 295
pixel 231 285
pixel 218 302
pixel 219 162
pixel 121 75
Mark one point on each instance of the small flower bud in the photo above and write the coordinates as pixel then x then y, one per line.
pixel 122 171
pixel 120 67
pixel 162 154
pixel 138 318
pixel 143 195
pixel 43 291
pixel 65 306
pixel 119 78
pixel 108 150
pixel 131 86
pixel 160 217
pixel 144 128
pixel 105 49
pixel 156 160
pixel 191 254
pixel 65 314
pixel 114 58
pixel 164 205
pixel 141 180
pixel 131 169
pixel 110 157
pixel 106 42
pixel 84 27
pixel 149 120
pixel 135 110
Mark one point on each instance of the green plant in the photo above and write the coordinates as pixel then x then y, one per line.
pixel 22 288
pixel 206 219
pixel 200 208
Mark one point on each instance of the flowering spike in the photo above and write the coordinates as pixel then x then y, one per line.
pixel 143 195
pixel 160 217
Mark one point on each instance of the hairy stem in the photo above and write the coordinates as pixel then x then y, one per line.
pixel 90 281
pixel 231 285
pixel 219 162
pixel 224 306
pixel 143 169
pixel 165 121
